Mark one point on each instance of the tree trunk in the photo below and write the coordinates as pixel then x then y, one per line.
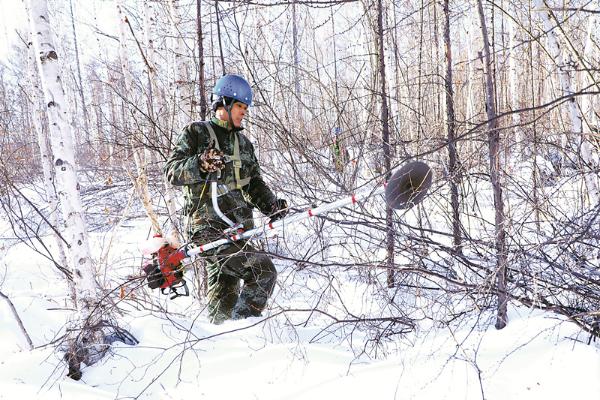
pixel 204 111
pixel 79 77
pixel 46 163
pixel 296 55
pixel 385 136
pixel 98 102
pixel 155 103
pixel 419 107
pixel 590 105
pixel 453 170
pixel 218 23
pixel 114 118
pixel 135 136
pixel 494 146
pixel 534 132
pixel 470 109
pixel 87 342
pixel 514 91
pixel 184 100
pixel 437 60
pixel 565 82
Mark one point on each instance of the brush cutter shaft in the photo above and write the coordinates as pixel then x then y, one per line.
pixel 406 187
pixel 282 223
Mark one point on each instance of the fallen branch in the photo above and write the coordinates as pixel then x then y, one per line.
pixel 19 321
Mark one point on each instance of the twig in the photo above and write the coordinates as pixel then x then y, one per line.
pixel 138 45
pixel 19 321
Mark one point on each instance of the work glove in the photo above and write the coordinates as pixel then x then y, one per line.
pixel 279 210
pixel 212 160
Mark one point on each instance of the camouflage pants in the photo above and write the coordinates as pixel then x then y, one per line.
pixel 226 269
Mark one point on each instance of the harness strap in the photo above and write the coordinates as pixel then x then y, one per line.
pixel 213 135
pixel 237 163
pixel 235 158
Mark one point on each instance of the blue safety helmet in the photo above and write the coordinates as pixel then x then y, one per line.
pixel 235 87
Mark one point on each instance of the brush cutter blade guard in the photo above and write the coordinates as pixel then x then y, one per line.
pixel 408 186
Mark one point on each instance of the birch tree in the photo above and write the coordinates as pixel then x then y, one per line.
pixel 590 106
pixel 46 159
pixel 576 118
pixel 184 99
pixel 154 105
pixel 135 137
pixel 86 341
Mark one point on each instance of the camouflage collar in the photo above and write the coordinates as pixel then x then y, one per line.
pixel 224 124
pixel 220 122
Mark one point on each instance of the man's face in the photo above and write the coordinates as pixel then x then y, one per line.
pixel 238 112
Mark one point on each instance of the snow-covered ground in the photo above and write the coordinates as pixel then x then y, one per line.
pixel 286 354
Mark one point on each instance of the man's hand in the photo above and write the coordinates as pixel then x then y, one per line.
pixel 279 210
pixel 212 160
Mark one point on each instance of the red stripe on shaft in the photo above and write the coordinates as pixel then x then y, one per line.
pixel 310 213
pixel 353 199
pixel 201 249
pixel 270 225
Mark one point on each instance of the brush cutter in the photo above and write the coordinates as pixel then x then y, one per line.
pixel 407 187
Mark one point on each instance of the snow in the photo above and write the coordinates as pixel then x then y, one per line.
pixel 298 350
pixel 286 354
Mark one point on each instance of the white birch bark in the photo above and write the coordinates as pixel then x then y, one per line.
pixel 46 162
pixel 63 152
pixel 135 138
pixel 87 342
pixel 590 105
pixel 575 115
pixel 149 35
pixel 152 88
pixel 182 77
pixel 155 104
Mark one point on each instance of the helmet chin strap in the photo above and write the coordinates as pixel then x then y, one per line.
pixel 228 109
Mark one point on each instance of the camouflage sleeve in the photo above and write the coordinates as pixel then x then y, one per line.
pixel 182 167
pixel 260 194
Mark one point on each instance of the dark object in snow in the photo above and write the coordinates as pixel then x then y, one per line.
pixel 121 335
pixel 80 351
pixel 74 371
pixel 408 185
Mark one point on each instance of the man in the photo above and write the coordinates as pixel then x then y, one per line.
pixel 217 149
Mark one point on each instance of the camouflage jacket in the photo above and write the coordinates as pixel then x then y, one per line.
pixel 182 169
